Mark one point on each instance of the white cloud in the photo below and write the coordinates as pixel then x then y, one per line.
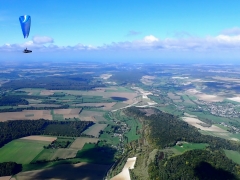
pixel 220 43
pixel 150 39
pixel 231 31
pixel 42 39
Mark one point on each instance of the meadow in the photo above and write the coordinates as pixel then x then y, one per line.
pixel 21 150
pixel 132 134
pixel 233 155
pixel 190 146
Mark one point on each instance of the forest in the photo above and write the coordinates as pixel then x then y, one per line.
pixel 19 109
pixel 195 165
pixel 165 130
pixel 15 129
pixel 12 101
pixel 9 168
pixel 125 77
pixel 54 83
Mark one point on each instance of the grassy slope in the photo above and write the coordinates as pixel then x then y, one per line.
pixel 233 155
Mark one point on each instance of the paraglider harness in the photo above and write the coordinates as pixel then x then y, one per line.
pixel 26 51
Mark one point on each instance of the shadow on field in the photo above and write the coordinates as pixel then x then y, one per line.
pixel 99 162
pixel 95 154
pixel 68 172
pixel 206 171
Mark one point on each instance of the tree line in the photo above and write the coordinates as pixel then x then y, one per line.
pixel 12 101
pixel 15 129
pixel 9 168
pixel 167 129
pixel 54 83
pixel 195 165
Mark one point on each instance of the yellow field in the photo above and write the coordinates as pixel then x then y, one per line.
pixel 40 138
pixel 95 129
pixel 64 153
pixel 195 122
pixel 47 92
pixel 79 142
pixel 204 97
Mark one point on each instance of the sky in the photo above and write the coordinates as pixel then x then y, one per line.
pixel 123 30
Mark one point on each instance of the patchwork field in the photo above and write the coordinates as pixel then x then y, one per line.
pixel 80 171
pixel 95 129
pixel 204 97
pixel 196 122
pixel 57 114
pixel 26 114
pixel 91 116
pixel 40 105
pixel 174 97
pixel 21 150
pixel 107 106
pixel 128 95
pixel 52 154
pixel 79 142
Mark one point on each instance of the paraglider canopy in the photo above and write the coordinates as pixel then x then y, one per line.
pixel 25 22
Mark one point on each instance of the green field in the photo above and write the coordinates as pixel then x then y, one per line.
pixel 132 134
pixel 21 151
pixel 190 146
pixel 45 154
pixel 109 136
pixel 54 154
pixel 119 105
pixel 233 155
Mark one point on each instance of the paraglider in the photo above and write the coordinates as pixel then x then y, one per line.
pixel 25 22
pixel 27 51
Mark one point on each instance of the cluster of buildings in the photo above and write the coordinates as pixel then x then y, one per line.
pixel 227 110
pixel 234 129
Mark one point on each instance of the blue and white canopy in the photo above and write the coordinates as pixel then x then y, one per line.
pixel 25 22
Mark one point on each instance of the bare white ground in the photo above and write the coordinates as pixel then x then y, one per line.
pixel 124 175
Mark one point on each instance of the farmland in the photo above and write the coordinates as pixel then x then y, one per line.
pixel 79 142
pixel 21 151
pixel 95 129
pixel 87 92
pixel 77 171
